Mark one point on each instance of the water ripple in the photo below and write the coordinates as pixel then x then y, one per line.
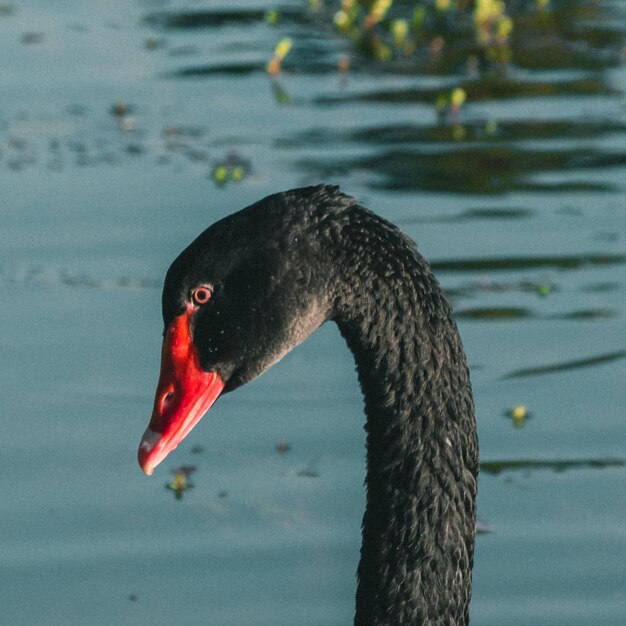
pixel 565 366
pixel 526 263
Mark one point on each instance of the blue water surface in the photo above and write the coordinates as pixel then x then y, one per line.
pixel 114 121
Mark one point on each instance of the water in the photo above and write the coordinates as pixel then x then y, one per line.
pixel 115 118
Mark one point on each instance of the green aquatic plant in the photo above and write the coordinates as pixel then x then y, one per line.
pixel 401 34
pixel 272 17
pixel 482 37
pixel 493 28
pixel 377 13
pixel 518 414
pixel 223 173
pixel 233 168
pixel 384 30
pixel 180 481
pixel 154 43
pixel 477 41
pixel 282 49
pixel 346 18
pixel 448 106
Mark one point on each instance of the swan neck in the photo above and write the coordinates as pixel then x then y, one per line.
pixel 422 452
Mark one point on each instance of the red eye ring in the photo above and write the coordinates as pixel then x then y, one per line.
pixel 201 295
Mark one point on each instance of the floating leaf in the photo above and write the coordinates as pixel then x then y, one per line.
pixel 519 414
pixel 180 482
pixel 457 97
pixel 283 446
pixel 272 17
pixel 280 52
pixel 283 47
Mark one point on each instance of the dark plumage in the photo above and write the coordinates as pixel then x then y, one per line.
pixel 280 268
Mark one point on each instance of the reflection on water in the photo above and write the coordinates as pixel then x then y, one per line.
pixel 488 169
pixel 205 18
pixel 560 465
pixel 126 127
pixel 518 313
pixel 520 130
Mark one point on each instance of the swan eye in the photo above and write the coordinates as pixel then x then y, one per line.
pixel 201 295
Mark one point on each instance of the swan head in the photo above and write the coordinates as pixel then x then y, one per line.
pixel 243 294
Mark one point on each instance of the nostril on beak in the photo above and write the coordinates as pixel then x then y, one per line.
pixel 166 399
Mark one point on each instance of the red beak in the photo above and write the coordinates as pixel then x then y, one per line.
pixel 184 394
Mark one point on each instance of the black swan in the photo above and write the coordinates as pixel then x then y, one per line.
pixel 256 284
